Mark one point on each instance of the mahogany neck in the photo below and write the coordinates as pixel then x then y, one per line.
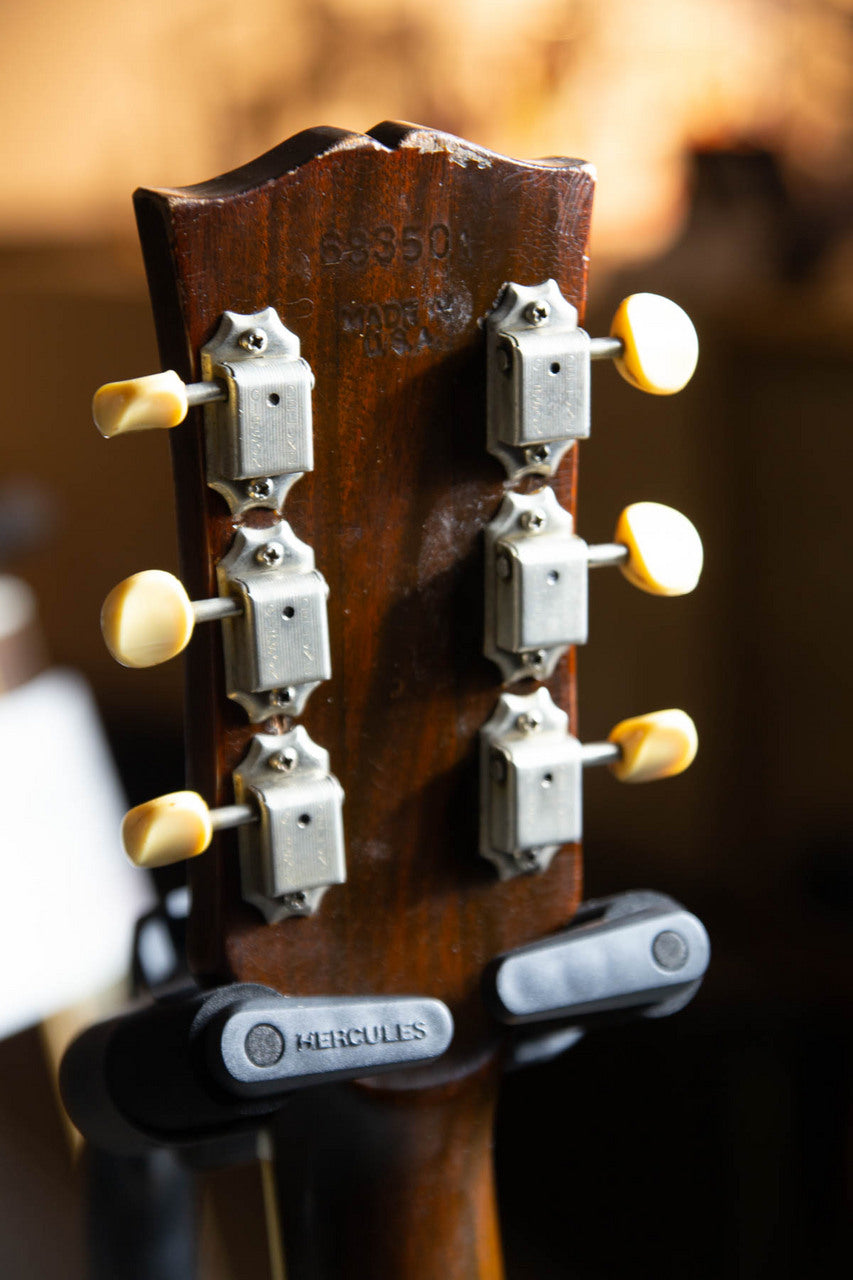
pixel 376 1182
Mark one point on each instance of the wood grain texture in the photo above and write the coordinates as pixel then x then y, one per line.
pixel 383 253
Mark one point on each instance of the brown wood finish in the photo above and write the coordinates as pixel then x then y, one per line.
pixel 383 253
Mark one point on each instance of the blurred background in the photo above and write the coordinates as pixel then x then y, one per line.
pixel 719 1143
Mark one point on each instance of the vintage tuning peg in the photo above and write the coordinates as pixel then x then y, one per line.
pixel 176 827
pixel 149 618
pixel 657 548
pixel 538 364
pixel 288 807
pixel 159 400
pixel 652 343
pixel 536 598
pixel 659 744
pixel 531 770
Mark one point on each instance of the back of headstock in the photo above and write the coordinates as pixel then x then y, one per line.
pixel 386 256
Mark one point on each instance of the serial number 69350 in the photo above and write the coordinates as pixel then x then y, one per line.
pixel 385 244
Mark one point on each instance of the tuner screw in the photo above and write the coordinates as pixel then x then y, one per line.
pixel 282 697
pixel 254 340
pixel 528 721
pixel 285 761
pixel 260 489
pixel 271 554
pixel 537 312
pixel 533 520
pixel 295 901
pixel 539 453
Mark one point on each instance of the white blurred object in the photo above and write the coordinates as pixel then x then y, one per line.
pixel 17 607
pixel 68 898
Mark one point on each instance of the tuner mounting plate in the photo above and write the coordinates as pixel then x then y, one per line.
pixel 277 647
pixel 260 437
pixel 530 784
pixel 538 379
pixel 536 586
pixel 296 850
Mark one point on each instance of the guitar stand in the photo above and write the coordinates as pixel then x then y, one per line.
pixel 187 1079
pixel 636 954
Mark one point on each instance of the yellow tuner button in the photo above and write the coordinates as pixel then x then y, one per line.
pixel 148 618
pixel 659 344
pixel 657 745
pixel 664 549
pixel 169 829
pixel 159 400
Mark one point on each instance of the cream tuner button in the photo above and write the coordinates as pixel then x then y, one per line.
pixel 653 344
pixel 176 827
pixel 160 400
pixel 664 549
pixel 659 744
pixel 149 618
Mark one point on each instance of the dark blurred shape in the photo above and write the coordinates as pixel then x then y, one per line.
pixel 721 1146
pixel 141 1217
pixel 712 1146
pixel 826 867
pixel 750 183
pixel 27 517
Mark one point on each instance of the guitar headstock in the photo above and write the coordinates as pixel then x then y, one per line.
pixel 411 514
pixel 383 254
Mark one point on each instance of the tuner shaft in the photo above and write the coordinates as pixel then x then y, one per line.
pixel 232 815
pixel 600 753
pixel 607 553
pixel 205 393
pixel 216 608
pixel 605 348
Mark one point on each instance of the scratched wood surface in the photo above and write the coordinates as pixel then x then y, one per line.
pixel 384 253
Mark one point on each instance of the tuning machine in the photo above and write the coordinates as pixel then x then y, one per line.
pixel 531 767
pixel 538 368
pixel 256 393
pixel 272 603
pixel 536 574
pixel 288 811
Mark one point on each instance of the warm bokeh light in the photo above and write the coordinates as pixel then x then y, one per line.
pixel 103 96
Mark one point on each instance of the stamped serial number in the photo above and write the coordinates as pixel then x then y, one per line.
pixel 386 244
